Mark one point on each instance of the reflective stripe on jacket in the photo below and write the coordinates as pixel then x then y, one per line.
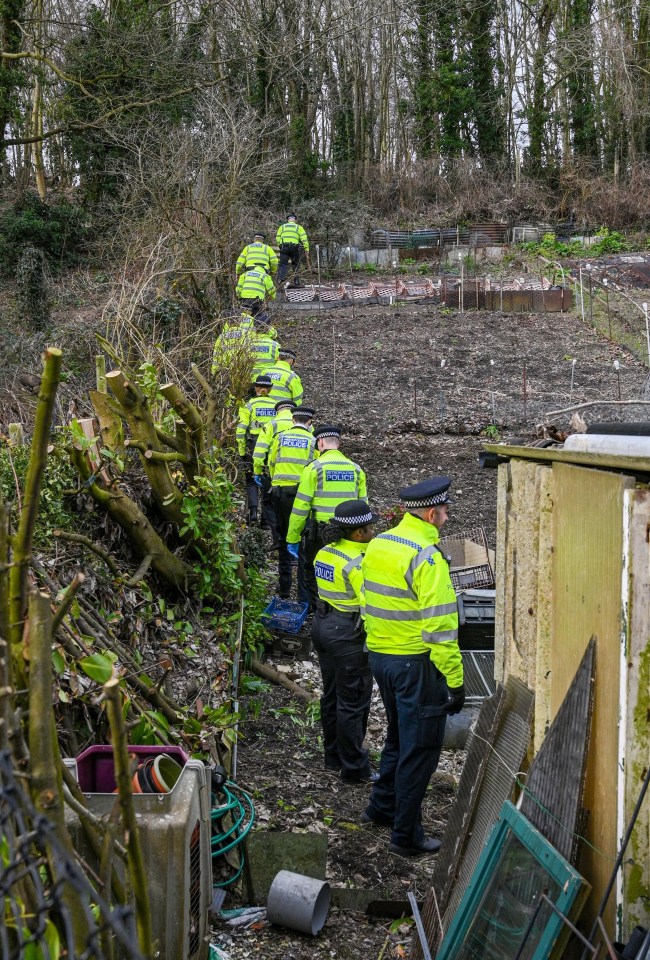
pixel 338 575
pixel 253 416
pixel 255 285
pixel 410 601
pixel 290 453
pixel 291 234
pixel 281 421
pixel 235 338
pixel 327 482
pixel 257 254
pixel 265 352
pixel 286 383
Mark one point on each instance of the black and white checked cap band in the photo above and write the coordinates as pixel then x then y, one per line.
pixel 429 502
pixel 358 520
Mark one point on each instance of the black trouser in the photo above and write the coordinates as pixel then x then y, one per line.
pixel 347 687
pixel 255 494
pixel 414 693
pixel 283 498
pixel 252 493
pixel 289 252
pixel 310 544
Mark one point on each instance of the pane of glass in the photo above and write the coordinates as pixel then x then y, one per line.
pixel 508 904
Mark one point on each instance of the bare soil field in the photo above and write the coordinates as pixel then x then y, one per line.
pixel 406 415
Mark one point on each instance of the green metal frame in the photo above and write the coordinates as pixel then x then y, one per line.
pixel 571 884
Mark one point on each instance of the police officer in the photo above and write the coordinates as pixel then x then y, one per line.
pixel 289 455
pixel 338 637
pixel 412 636
pixel 257 254
pixel 255 286
pixel 292 242
pixel 253 415
pixel 233 342
pixel 324 484
pixel 283 420
pixel 286 383
pixel 264 347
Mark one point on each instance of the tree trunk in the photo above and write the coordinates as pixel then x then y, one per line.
pixel 22 546
pixel 142 536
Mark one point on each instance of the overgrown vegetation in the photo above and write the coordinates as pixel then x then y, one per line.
pixel 604 241
pixel 58 229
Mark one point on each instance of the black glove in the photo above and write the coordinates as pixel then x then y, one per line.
pixel 456 699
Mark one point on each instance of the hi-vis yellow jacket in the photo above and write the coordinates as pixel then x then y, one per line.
pixel 283 420
pixel 286 383
pixel 324 484
pixel 410 601
pixel 257 254
pixel 253 417
pixel 255 284
pixel 338 575
pixel 235 339
pixel 290 453
pixel 291 235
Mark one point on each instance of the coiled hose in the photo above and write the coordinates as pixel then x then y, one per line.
pixel 229 799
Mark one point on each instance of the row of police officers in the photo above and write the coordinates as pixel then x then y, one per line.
pixel 258 263
pixel 384 606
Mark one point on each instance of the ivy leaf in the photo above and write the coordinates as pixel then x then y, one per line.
pixel 58 662
pixel 98 667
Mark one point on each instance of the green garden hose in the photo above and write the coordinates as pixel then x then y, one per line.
pixel 239 805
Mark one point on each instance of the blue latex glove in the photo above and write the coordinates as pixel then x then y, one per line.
pixel 258 481
pixel 293 549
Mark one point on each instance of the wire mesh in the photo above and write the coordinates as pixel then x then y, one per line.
pixel 39 881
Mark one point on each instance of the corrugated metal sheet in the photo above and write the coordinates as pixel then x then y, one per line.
pixel 552 799
pixel 478 670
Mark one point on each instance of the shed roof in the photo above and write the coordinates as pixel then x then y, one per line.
pixel 580 458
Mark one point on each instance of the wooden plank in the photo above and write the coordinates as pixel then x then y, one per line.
pixel 635 883
pixel 501 569
pixel 520 514
pixel 544 619
pixel 587 577
pixel 577 457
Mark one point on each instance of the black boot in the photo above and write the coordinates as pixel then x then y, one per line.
pixel 252 515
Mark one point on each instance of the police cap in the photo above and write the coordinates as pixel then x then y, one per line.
pixel 291 216
pixel 258 235
pixel 354 513
pixel 285 404
pixel 286 352
pixel 428 493
pixel 327 430
pixel 304 413
pixel 262 380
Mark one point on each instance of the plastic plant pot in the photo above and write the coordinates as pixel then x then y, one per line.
pixel 145 772
pixel 165 773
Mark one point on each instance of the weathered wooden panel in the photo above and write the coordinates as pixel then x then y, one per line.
pixel 636 875
pixel 543 672
pixel 587 578
pixel 523 511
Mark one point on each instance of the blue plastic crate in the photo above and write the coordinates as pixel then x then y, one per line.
pixel 285 615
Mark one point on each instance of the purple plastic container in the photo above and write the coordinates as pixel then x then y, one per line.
pixel 96 772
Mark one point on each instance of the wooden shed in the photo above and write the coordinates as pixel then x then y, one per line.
pixel 573 561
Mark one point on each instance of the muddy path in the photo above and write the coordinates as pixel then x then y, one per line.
pixel 406 415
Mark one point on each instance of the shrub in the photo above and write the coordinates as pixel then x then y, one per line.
pixel 57 229
pixel 31 287
pixel 608 242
